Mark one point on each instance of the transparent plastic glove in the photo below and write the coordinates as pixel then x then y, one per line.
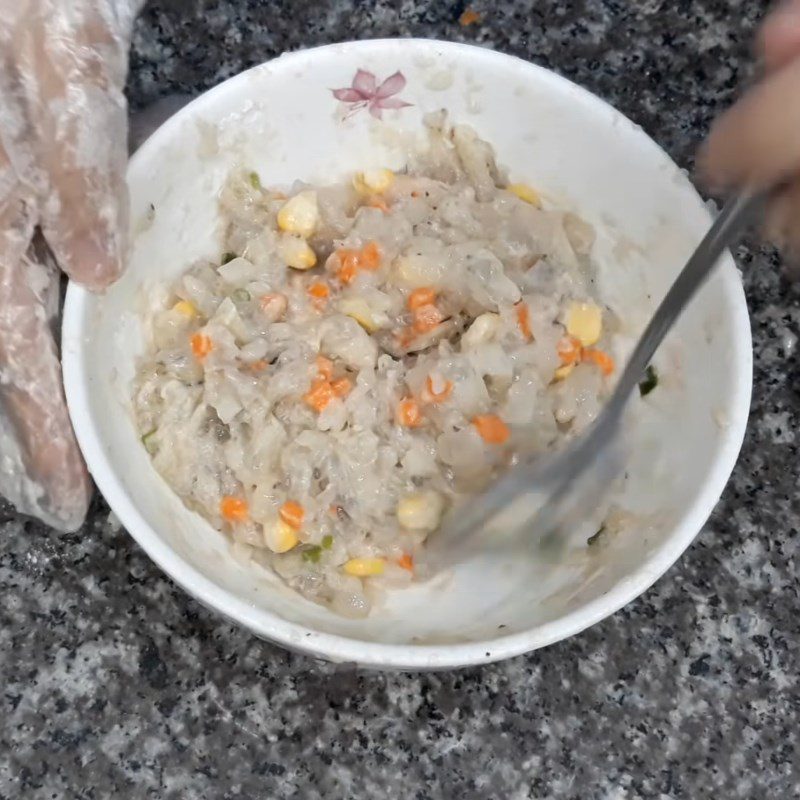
pixel 62 202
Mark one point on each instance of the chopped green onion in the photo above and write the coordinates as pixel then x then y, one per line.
pixel 226 257
pixel 312 555
pixel 255 181
pixel 240 295
pixel 649 382
pixel 327 542
pixel 592 540
pixel 150 443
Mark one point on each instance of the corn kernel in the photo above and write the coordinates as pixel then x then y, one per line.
pixel 563 372
pixel 279 536
pixel 300 214
pixel 585 323
pixel 364 567
pixel 412 270
pixel 526 193
pixel 186 308
pixel 482 330
pixel 294 250
pixel 358 309
pixel 421 511
pixel 373 181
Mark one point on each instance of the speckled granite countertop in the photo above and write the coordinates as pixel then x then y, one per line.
pixel 116 684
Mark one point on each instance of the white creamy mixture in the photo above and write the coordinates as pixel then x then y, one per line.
pixel 364 354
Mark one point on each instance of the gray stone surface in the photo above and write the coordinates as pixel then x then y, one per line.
pixel 116 684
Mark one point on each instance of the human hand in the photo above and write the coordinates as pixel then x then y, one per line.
pixel 756 143
pixel 63 203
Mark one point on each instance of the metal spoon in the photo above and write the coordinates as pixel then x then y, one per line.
pixel 538 498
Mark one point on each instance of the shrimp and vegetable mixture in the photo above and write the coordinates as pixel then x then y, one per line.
pixel 366 353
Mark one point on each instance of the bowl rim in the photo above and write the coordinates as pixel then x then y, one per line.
pixel 340 648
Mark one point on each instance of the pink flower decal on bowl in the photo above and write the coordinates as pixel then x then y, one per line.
pixel 365 93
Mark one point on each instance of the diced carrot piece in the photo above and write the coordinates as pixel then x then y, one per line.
pixel 406 561
pixel 491 428
pixel 524 320
pixel 319 290
pixel 378 202
pixel 426 318
pixel 351 261
pixel 201 345
pixel 347 255
pixel 348 269
pixel 233 509
pixel 292 513
pixel 319 395
pixel 408 413
pixel 469 17
pixel 319 294
pixel 602 359
pixel 325 367
pixel 342 387
pixel 405 336
pixel 437 397
pixel 370 256
pixel 258 366
pixel 347 274
pixel 569 350
pixel 424 296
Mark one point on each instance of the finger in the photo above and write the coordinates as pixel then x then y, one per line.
pixel 84 151
pixel 757 142
pixel 68 91
pixel 778 40
pixel 783 213
pixel 55 485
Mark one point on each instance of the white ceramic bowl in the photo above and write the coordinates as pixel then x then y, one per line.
pixel 282 119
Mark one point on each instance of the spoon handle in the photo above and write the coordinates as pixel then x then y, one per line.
pixel 731 220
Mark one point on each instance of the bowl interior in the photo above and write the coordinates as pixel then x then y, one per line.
pixel 282 120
